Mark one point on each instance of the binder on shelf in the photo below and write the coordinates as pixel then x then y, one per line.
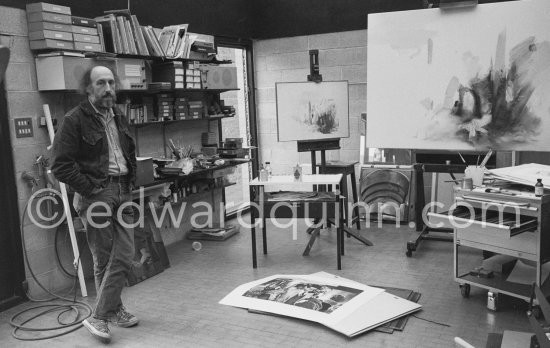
pixel 130 36
pixel 111 36
pixel 122 30
pixel 138 36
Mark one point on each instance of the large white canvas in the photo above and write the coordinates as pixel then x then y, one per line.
pixel 426 70
pixel 312 111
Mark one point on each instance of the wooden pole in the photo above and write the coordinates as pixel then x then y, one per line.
pixel 67 209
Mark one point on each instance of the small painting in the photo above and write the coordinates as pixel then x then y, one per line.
pixel 312 111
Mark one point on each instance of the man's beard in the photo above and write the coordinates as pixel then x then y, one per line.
pixel 106 101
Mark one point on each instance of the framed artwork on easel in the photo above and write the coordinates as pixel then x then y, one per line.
pixel 312 111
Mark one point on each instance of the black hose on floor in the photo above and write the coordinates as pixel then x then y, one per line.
pixel 80 310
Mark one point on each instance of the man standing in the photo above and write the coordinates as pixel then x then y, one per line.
pixel 95 155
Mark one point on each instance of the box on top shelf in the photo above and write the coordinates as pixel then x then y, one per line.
pixel 83 30
pixel 45 7
pixel 50 34
pixel 83 22
pixel 36 26
pixel 86 38
pixel 48 17
pixel 51 44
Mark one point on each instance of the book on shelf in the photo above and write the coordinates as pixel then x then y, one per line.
pixel 122 30
pixel 138 36
pixel 111 38
pixel 101 36
pixel 129 36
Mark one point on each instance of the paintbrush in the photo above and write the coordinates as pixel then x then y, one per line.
pixel 486 159
pixel 462 158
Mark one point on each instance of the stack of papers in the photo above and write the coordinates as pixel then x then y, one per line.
pixel 343 305
pixel 526 174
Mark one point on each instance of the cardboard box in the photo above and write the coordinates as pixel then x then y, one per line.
pixel 36 26
pixel 83 30
pixel 50 34
pixel 45 7
pixel 48 43
pixel 48 17
pixel 144 171
pixel 85 46
pixel 86 38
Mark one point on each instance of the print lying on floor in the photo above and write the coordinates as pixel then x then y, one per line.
pixel 468 79
pixel 341 304
pixel 297 292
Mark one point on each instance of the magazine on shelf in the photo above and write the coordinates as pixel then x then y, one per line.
pixel 172 40
pixel 343 305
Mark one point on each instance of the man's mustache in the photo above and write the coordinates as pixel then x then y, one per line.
pixel 108 94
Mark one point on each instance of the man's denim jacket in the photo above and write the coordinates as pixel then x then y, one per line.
pixel 81 153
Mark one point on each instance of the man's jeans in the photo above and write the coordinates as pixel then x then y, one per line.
pixel 111 241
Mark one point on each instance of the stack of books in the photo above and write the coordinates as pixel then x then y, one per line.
pixel 171 72
pixel 122 33
pixel 164 106
pixel 148 109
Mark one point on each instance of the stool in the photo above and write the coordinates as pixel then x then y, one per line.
pixel 345 168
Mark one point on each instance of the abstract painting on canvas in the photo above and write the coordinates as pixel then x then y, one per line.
pixel 460 79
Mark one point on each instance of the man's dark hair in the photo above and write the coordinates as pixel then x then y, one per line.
pixel 86 79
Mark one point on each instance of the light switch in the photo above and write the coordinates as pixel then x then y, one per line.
pixel 23 127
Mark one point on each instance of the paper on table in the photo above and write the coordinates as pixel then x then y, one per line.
pixel 523 273
pixel 524 174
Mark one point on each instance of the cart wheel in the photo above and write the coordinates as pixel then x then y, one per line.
pixel 409 253
pixel 465 290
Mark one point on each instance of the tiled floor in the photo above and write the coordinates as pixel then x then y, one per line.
pixel 179 307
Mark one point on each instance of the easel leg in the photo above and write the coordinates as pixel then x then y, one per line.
pixel 355 213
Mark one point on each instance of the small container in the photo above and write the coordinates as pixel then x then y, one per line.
pixel 467 184
pixel 263 174
pixel 268 168
pixel 297 172
pixel 539 188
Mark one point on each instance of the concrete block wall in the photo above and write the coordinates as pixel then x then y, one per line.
pixel 342 56
pixel 24 100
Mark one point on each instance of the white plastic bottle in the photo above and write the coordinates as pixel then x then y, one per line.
pixel 263 174
pixel 268 168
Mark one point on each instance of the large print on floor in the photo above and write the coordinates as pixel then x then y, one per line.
pixel 341 304
pixel 460 79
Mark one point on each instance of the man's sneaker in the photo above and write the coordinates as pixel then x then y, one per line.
pixel 98 328
pixel 124 319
